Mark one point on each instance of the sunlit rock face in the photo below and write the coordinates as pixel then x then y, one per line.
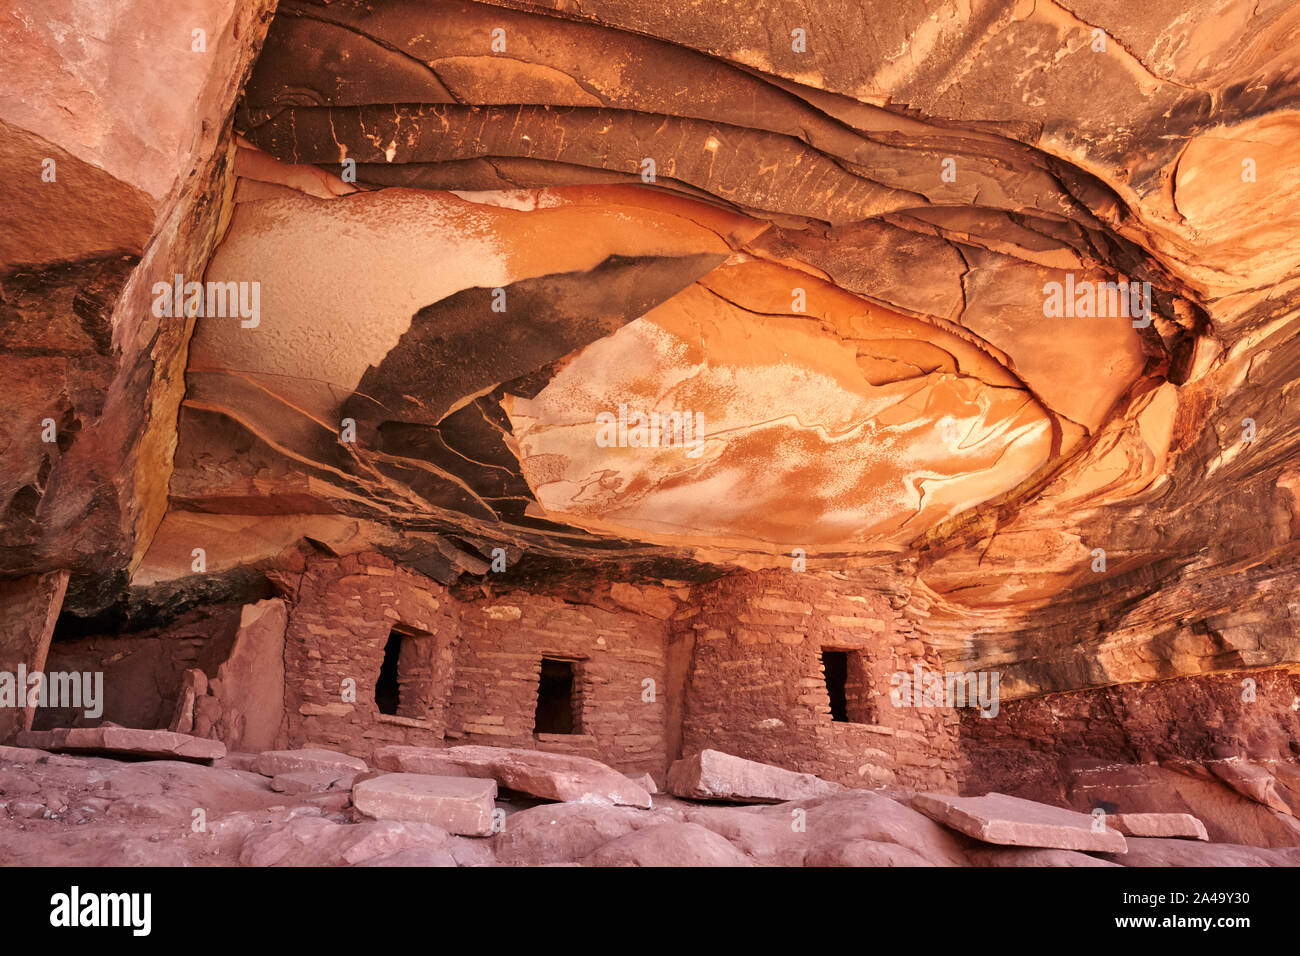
pixel 881 287
pixel 844 426
pixel 116 176
pixel 366 393
pixel 760 408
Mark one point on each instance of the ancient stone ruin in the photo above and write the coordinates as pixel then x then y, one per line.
pixel 520 432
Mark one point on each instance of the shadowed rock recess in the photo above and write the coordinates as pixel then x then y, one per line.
pixel 525 432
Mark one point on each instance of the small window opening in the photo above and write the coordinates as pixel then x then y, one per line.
pixel 836 666
pixel 847 686
pixel 387 690
pixel 556 702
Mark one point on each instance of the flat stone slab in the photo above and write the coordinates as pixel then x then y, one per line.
pixel 272 763
pixel 1158 825
pixel 550 776
pixel 713 775
pixel 1010 821
pixel 311 781
pixel 124 742
pixel 461 805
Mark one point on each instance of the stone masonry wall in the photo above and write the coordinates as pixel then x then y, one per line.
pixel 660 671
pixel 339 626
pixel 757 687
pixel 474 677
pixel 616 649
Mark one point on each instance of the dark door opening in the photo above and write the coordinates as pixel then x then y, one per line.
pixel 387 692
pixel 555 699
pixel 836 666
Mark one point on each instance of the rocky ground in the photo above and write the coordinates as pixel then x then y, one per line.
pixel 60 809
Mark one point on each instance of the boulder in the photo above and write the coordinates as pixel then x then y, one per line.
pixel 460 805
pixel 272 763
pixel 764 833
pixel 1011 821
pixel 550 776
pixel 818 832
pixel 713 775
pixel 866 815
pixel 1157 825
pixel 124 741
pixel 669 844
pixel 1152 851
pixel 566 832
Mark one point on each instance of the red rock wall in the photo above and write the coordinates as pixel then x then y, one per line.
pixel 757 690
pixel 1031 747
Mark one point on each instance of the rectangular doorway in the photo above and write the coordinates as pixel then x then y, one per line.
pixel 557 698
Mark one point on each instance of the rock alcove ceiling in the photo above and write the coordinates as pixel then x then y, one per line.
pixel 835 265
pixel 840 277
pixel 576 299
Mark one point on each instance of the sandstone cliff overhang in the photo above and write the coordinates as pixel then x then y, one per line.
pixel 471 259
